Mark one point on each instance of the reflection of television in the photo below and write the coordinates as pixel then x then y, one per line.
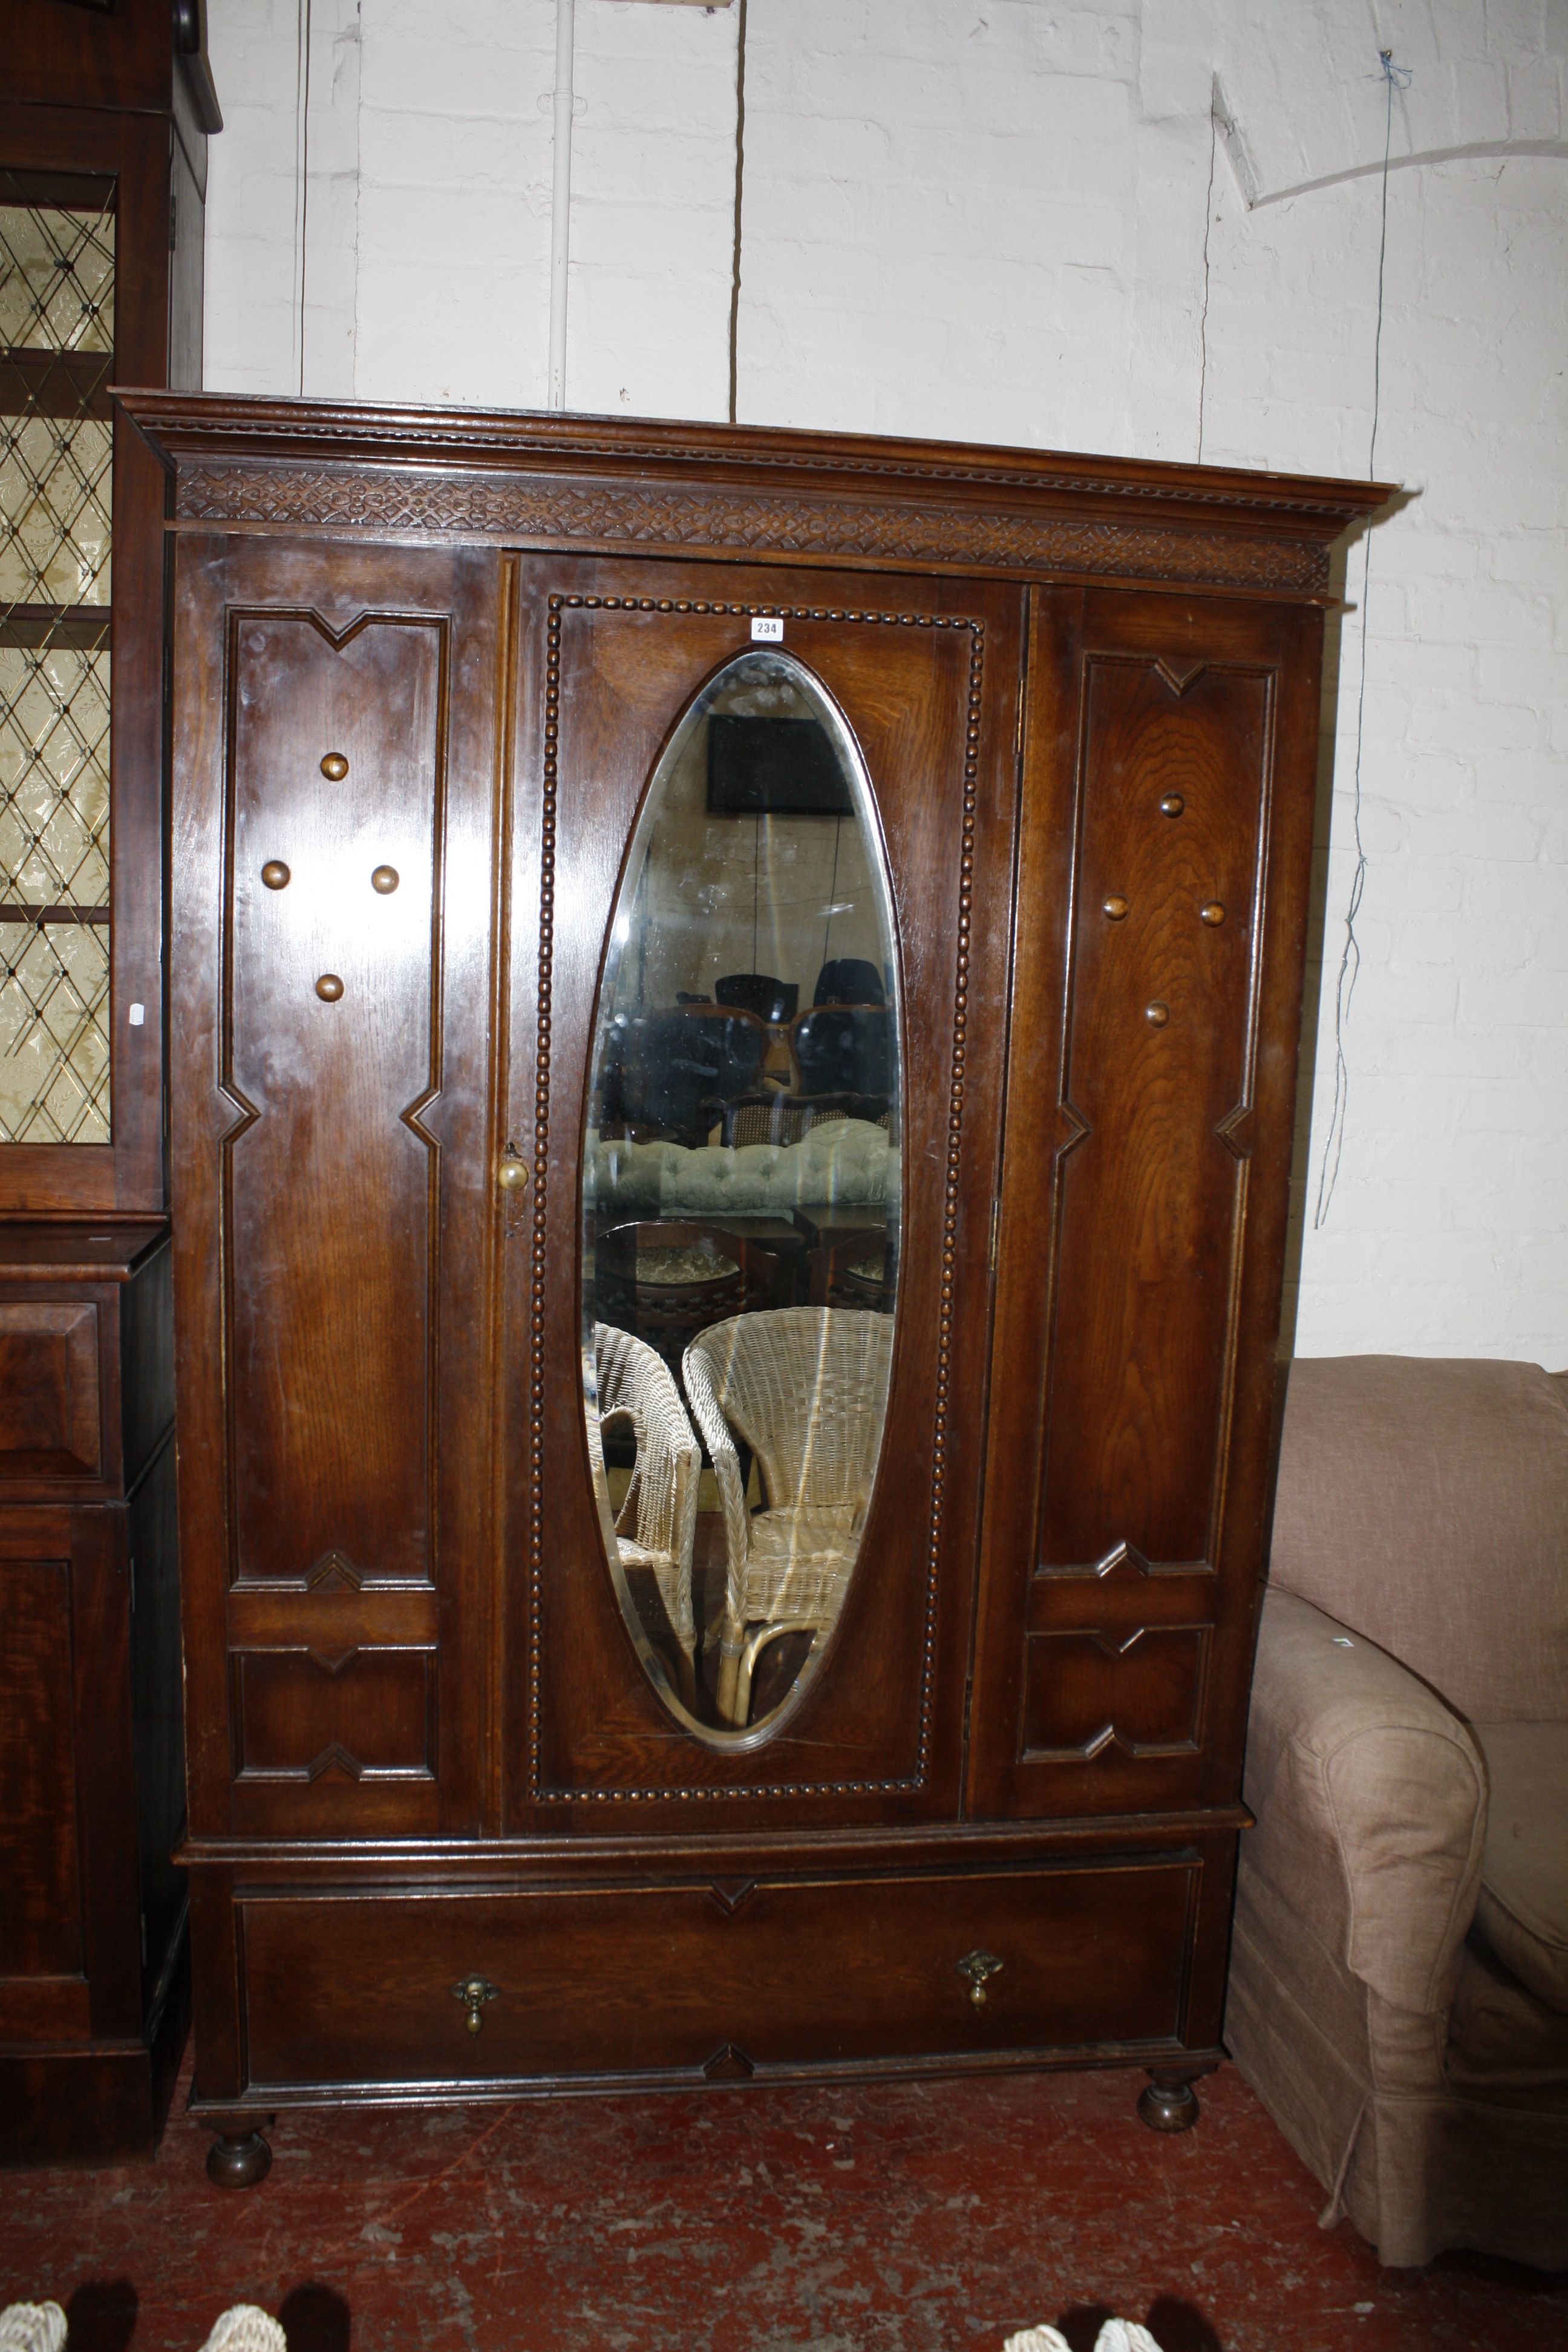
pixel 773 767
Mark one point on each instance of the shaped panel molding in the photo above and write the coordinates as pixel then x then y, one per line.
pixel 365 1714
pixel 337 767
pixel 1088 1692
pixel 1175 760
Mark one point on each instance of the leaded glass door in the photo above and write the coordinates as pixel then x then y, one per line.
pixel 57 356
pixel 100 226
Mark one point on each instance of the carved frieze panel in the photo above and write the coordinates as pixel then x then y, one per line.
pixel 541 510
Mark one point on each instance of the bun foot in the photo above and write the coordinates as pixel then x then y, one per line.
pixel 238 2159
pixel 1168 2106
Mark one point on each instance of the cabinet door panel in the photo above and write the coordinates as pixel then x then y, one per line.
pixel 69 1962
pixel 925 676
pixel 40 1919
pixel 1163 845
pixel 334 825
pixel 334 1183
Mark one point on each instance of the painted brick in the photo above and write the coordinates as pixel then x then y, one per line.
pixel 994 218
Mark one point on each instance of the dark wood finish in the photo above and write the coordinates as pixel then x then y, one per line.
pixel 98 109
pixel 93 1992
pixel 843 502
pixel 1169 767
pixel 648 1980
pixel 40 1931
pixel 425 1754
pixel 238 2159
pixel 928 683
pixel 1168 2103
pixel 64 55
pixel 95 106
pixel 333 1250
pixel 49 1406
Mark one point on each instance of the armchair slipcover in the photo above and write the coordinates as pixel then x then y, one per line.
pixel 1399 1977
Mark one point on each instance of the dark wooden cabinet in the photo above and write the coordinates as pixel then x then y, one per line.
pixel 104 117
pixel 93 1991
pixel 496 1780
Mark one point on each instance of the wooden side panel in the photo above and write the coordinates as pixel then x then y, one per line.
pixel 147 1361
pixel 1163 856
pixel 332 987
pixel 40 1917
pixel 155 1694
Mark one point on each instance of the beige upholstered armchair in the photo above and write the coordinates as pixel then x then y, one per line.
pixel 1399 1979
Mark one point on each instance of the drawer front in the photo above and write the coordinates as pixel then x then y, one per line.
pixel 713 1979
pixel 50 1409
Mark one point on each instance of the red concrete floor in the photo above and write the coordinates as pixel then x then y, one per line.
pixel 914 2217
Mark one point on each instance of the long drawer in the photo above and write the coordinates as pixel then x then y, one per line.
pixel 711 1977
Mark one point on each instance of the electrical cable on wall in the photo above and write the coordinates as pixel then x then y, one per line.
pixel 1394 78
pixel 740 183
pixel 303 163
pixel 1204 321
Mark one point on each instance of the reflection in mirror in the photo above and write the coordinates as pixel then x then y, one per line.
pixel 740 1197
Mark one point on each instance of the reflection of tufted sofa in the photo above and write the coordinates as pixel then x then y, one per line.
pixel 847 1163
pixel 1399 1977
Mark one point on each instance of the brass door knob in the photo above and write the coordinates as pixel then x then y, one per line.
pixel 334 767
pixel 976 1967
pixel 512 1175
pixel 474 1992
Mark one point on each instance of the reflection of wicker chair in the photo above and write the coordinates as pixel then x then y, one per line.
pixel 805 1386
pixel 657 1524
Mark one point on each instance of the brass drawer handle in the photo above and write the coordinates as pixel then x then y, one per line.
pixel 473 1993
pixel 977 1967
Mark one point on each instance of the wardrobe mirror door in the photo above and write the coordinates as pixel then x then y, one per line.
pixel 746 1050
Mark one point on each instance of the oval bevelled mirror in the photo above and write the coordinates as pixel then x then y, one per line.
pixel 740 1198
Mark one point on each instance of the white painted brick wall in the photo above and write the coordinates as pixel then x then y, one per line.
pixel 993 219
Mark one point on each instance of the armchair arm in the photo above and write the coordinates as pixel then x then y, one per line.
pixel 1370 1799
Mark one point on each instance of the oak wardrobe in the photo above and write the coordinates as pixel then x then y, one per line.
pixel 734 1001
